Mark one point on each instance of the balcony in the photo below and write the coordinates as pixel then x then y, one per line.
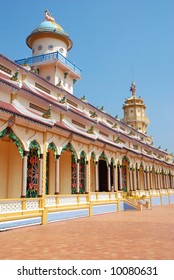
pixel 39 59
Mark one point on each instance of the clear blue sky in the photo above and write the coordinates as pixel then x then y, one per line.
pixel 111 37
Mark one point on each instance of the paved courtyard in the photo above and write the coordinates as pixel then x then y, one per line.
pixel 127 235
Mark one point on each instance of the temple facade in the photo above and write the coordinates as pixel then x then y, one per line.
pixel 60 156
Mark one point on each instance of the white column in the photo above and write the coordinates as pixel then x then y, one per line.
pixel 77 176
pixel 86 177
pixel 96 177
pixel 120 177
pixel 145 183
pixel 130 179
pixel 109 177
pixel 24 174
pixel 57 174
pixel 148 180
pixel 115 178
pixel 138 179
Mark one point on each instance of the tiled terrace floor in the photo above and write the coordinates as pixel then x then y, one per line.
pixel 127 235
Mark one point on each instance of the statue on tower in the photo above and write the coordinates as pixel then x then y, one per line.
pixel 48 16
pixel 133 88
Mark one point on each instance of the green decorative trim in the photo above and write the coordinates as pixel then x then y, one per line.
pixel 63 99
pixel 94 115
pixel 52 146
pixel 3 133
pixel 69 147
pixel 35 145
pixel 9 133
pixel 103 156
pixel 15 76
pixel 91 129
pixel 83 155
pixel 126 159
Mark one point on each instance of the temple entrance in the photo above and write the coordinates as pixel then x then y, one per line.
pixel 103 176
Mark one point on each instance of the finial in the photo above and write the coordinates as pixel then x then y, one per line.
pixel 133 88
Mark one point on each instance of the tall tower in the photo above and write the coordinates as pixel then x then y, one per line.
pixel 135 111
pixel 50 45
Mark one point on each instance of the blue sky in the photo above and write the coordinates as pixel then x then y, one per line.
pixel 115 41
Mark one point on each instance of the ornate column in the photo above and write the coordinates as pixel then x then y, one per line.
pixel 24 174
pixel 161 180
pixel 134 178
pixel 145 182
pixel 168 180
pixel 40 175
pixel 151 181
pixel 172 180
pixel 42 170
pixel 148 179
pixel 109 177
pixel 165 185
pixel 115 184
pixel 138 179
pixel 86 178
pixel 120 178
pixel 96 177
pixel 130 179
pixel 57 175
pixel 156 183
pixel 77 176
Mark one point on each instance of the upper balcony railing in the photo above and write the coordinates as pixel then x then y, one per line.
pixel 48 57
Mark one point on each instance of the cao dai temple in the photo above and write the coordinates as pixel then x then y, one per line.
pixel 60 156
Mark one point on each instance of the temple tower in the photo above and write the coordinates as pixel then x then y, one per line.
pixel 135 111
pixel 50 45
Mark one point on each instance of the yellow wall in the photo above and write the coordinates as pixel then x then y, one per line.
pixel 65 173
pixel 10 170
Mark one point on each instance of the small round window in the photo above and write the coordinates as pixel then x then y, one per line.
pixel 39 47
pixel 61 50
pixel 50 47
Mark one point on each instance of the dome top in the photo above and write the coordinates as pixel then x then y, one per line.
pixel 49 28
pixel 49 25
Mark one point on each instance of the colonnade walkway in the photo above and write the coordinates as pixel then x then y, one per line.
pixel 147 234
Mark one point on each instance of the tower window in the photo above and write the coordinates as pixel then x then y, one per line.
pixel 39 47
pixel 61 50
pixel 50 47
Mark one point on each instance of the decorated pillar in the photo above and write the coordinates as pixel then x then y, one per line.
pixel 134 178
pixel 115 185
pixel 57 173
pixel 145 181
pixel 151 180
pixel 44 164
pixel 78 181
pixel 148 179
pixel 40 175
pixel 138 179
pixel 130 179
pixel 120 177
pixel 24 174
pixel 96 177
pixel 109 177
pixel 86 177
pixel 156 182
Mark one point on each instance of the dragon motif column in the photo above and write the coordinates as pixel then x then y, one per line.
pixel 24 174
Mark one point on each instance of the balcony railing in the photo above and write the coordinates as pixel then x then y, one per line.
pixel 49 57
